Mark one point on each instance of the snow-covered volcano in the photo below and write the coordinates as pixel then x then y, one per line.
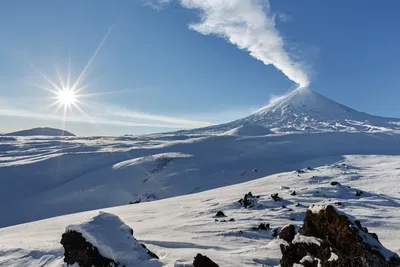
pixel 306 110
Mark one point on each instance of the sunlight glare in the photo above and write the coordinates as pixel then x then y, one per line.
pixel 67 97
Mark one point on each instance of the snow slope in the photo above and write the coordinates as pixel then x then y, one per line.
pixel 178 228
pixel 44 131
pixel 42 177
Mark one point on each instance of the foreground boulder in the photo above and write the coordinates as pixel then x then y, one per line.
pixel 331 238
pixel 104 241
pixel 203 261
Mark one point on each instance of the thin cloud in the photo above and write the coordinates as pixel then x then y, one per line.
pixel 126 113
pixel 250 25
pixel 109 116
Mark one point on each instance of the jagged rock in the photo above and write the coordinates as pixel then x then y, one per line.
pixel 335 183
pixel 310 169
pixel 287 233
pixel 135 202
pixel 275 232
pixel 220 214
pixel 248 200
pixel 292 193
pixel 261 226
pixel 104 241
pixel 275 197
pixel 358 193
pixel 203 261
pixel 300 171
pixel 231 219
pixel 329 234
pixel 78 250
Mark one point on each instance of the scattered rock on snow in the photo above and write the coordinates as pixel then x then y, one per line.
pixel 203 261
pixel 335 183
pixel 249 200
pixel 327 231
pixel 261 226
pixel 292 192
pixel 275 197
pixel 220 214
pixel 358 193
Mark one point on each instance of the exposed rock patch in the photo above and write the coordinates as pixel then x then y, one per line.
pixel 248 201
pixel 104 241
pixel 203 261
pixel 327 232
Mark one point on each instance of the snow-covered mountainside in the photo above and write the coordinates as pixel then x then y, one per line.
pixel 306 110
pixel 176 229
pixel 43 176
pixel 41 131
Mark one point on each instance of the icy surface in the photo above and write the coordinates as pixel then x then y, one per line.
pixel 112 237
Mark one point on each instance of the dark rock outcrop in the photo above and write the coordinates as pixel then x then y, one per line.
pixel 275 197
pixel 203 261
pixel 261 226
pixel 329 238
pixel 220 214
pixel 248 201
pixel 78 250
pixel 287 233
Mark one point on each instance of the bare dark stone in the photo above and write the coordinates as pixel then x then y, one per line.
pixel 261 226
pixel 231 219
pixel 358 193
pixel 275 232
pixel 287 233
pixel 293 193
pixel 78 250
pixel 300 171
pixel 203 261
pixel 220 214
pixel 248 200
pixel 335 232
pixel 275 197
pixel 338 203
pixel 335 183
pixel 310 169
pixel 135 202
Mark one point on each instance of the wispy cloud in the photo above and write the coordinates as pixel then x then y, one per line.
pixel 102 114
pixel 250 25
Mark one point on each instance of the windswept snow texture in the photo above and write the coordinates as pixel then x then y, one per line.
pixel 45 131
pixel 112 237
pixel 176 229
pixel 45 177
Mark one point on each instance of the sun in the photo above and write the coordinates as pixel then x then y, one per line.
pixel 67 97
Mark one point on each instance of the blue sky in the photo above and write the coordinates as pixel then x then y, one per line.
pixel 168 65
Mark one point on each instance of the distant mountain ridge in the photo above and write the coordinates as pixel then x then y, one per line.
pixel 304 110
pixel 41 131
